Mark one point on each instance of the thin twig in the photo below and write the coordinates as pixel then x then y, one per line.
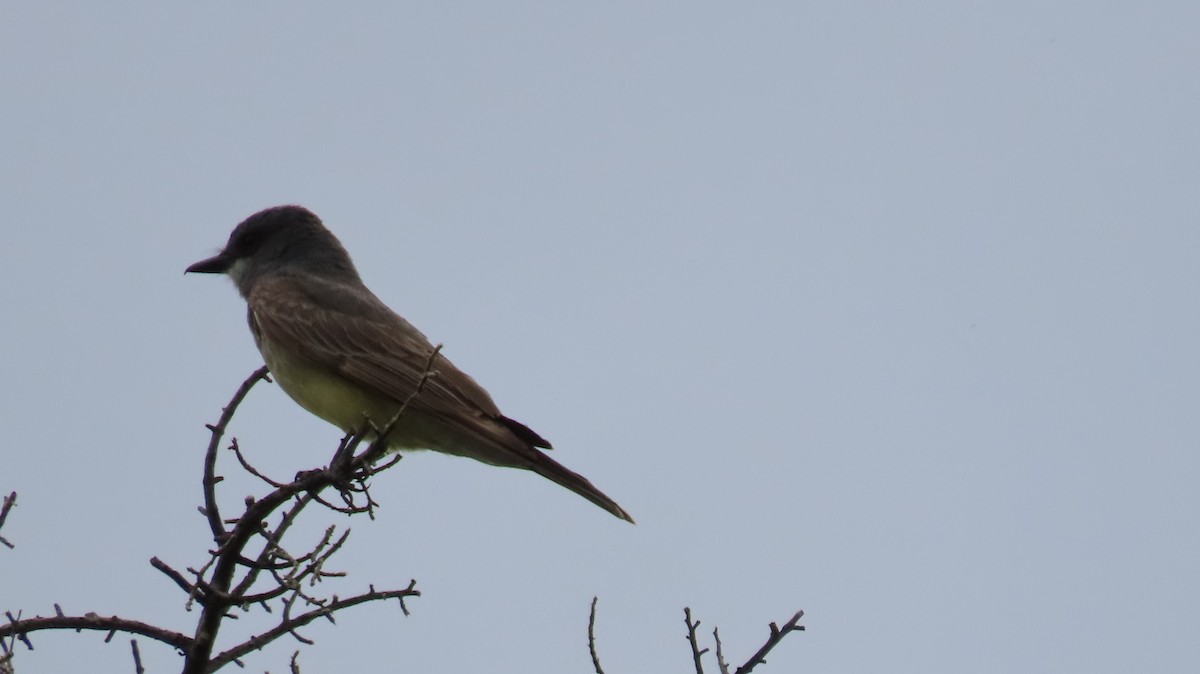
pixel 777 635
pixel 6 656
pixel 286 618
pixel 237 450
pixel 720 655
pixel 592 637
pixel 696 650
pixel 211 510
pixel 137 658
pixel 273 539
pixel 9 502
pixel 192 589
pixel 20 635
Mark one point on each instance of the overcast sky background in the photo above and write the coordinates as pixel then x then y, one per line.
pixel 883 311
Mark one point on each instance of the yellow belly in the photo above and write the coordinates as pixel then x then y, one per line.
pixel 326 393
pixel 348 406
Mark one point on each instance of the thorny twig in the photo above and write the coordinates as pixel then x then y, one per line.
pixel 210 509
pixel 257 642
pixel 348 473
pixel 213 586
pixel 777 635
pixel 21 628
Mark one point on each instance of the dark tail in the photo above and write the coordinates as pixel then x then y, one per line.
pixel 525 433
pixel 556 472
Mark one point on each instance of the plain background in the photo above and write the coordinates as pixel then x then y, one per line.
pixel 885 311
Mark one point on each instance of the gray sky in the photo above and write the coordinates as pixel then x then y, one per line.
pixel 880 310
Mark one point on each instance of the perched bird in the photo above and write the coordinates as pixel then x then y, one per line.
pixel 343 355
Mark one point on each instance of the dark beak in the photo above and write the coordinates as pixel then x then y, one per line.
pixel 217 264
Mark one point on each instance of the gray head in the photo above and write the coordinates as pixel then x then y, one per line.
pixel 283 239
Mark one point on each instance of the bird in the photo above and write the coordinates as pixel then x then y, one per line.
pixel 342 354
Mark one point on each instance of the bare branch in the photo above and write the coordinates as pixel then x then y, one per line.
pixel 724 666
pixel 9 502
pixel 237 450
pixel 264 560
pixel 21 627
pixel 777 635
pixel 6 650
pixel 6 656
pixel 291 623
pixel 191 588
pixel 21 636
pixel 348 473
pixel 228 558
pixel 213 587
pixel 211 510
pixel 696 650
pixel 592 637
pixel 137 658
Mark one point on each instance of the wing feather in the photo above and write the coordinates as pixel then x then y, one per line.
pixel 364 341
pixel 351 333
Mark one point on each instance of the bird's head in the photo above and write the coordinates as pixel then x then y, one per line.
pixel 279 240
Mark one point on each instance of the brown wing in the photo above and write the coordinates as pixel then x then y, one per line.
pixel 350 331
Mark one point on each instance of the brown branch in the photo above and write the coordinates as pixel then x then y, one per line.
pixel 265 557
pixel 211 511
pixel 696 650
pixel 21 636
pixel 237 450
pixel 777 635
pixel 21 627
pixel 213 587
pixel 314 567
pixel 286 619
pixel 592 637
pixel 344 470
pixel 724 666
pixel 228 559
pixel 6 649
pixel 310 567
pixel 9 502
pixel 290 624
pixel 192 589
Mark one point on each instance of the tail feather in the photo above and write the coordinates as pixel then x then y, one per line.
pixel 560 474
pixel 525 433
